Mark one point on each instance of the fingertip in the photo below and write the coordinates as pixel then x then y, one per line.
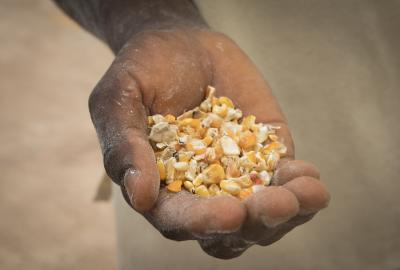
pixel 310 192
pixel 142 189
pixel 272 206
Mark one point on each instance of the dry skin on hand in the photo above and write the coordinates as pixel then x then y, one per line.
pixel 213 150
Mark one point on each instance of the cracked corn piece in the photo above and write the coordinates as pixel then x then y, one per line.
pixel 214 150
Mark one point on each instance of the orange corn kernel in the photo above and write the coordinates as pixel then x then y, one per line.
pixel 175 186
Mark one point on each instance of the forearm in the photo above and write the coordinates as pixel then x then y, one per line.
pixel 116 21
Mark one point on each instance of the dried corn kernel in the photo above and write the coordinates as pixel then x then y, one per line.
pixel 226 101
pixel 245 193
pixel 208 140
pixel 248 122
pixel 247 140
pixel 170 118
pixel 161 169
pixel 189 186
pixel 273 137
pixel 229 146
pixel 230 186
pixel 150 120
pixel 197 146
pixel 181 166
pixel 232 170
pixel 214 189
pixel 199 180
pixel 162 132
pixel 214 174
pixel 272 159
pixel 212 150
pixel 221 111
pixel 175 186
pixel 202 191
pixel 244 181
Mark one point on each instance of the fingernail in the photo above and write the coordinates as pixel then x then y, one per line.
pixel 130 177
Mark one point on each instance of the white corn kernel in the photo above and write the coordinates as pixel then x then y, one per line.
pixel 229 146
pixel 163 132
pixel 265 177
pixel 181 166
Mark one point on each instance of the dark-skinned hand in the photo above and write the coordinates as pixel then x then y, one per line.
pixel 167 72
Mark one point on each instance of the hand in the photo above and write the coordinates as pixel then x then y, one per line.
pixel 167 72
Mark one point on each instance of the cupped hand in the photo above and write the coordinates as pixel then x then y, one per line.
pixel 167 72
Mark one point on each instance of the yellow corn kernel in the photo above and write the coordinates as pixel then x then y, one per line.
pixel 199 180
pixel 248 122
pixel 208 140
pixel 232 170
pixel 216 122
pixel 214 189
pixel 220 110
pixel 185 157
pixel 180 175
pixel 274 146
pixel 170 118
pixel 252 156
pixel 161 169
pixel 219 151
pixel 245 193
pixel 214 174
pixel 150 120
pixel 189 186
pixel 247 140
pixel 202 191
pixel 200 132
pixel 273 137
pixel 244 181
pixel 227 101
pixel 230 186
pixel 175 186
pixel 194 123
pixel 215 101
pixel 231 134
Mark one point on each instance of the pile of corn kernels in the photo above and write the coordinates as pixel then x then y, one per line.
pixel 213 150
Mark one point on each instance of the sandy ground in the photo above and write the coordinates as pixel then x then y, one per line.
pixel 334 67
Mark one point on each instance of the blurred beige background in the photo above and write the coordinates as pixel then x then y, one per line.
pixel 334 65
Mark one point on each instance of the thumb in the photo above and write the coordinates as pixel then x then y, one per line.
pixel 120 119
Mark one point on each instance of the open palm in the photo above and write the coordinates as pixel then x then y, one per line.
pixel 167 72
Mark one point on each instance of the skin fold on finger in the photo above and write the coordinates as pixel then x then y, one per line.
pixel 182 216
pixel 266 210
pixel 293 169
pixel 311 194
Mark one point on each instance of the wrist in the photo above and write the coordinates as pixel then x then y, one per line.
pixel 122 22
